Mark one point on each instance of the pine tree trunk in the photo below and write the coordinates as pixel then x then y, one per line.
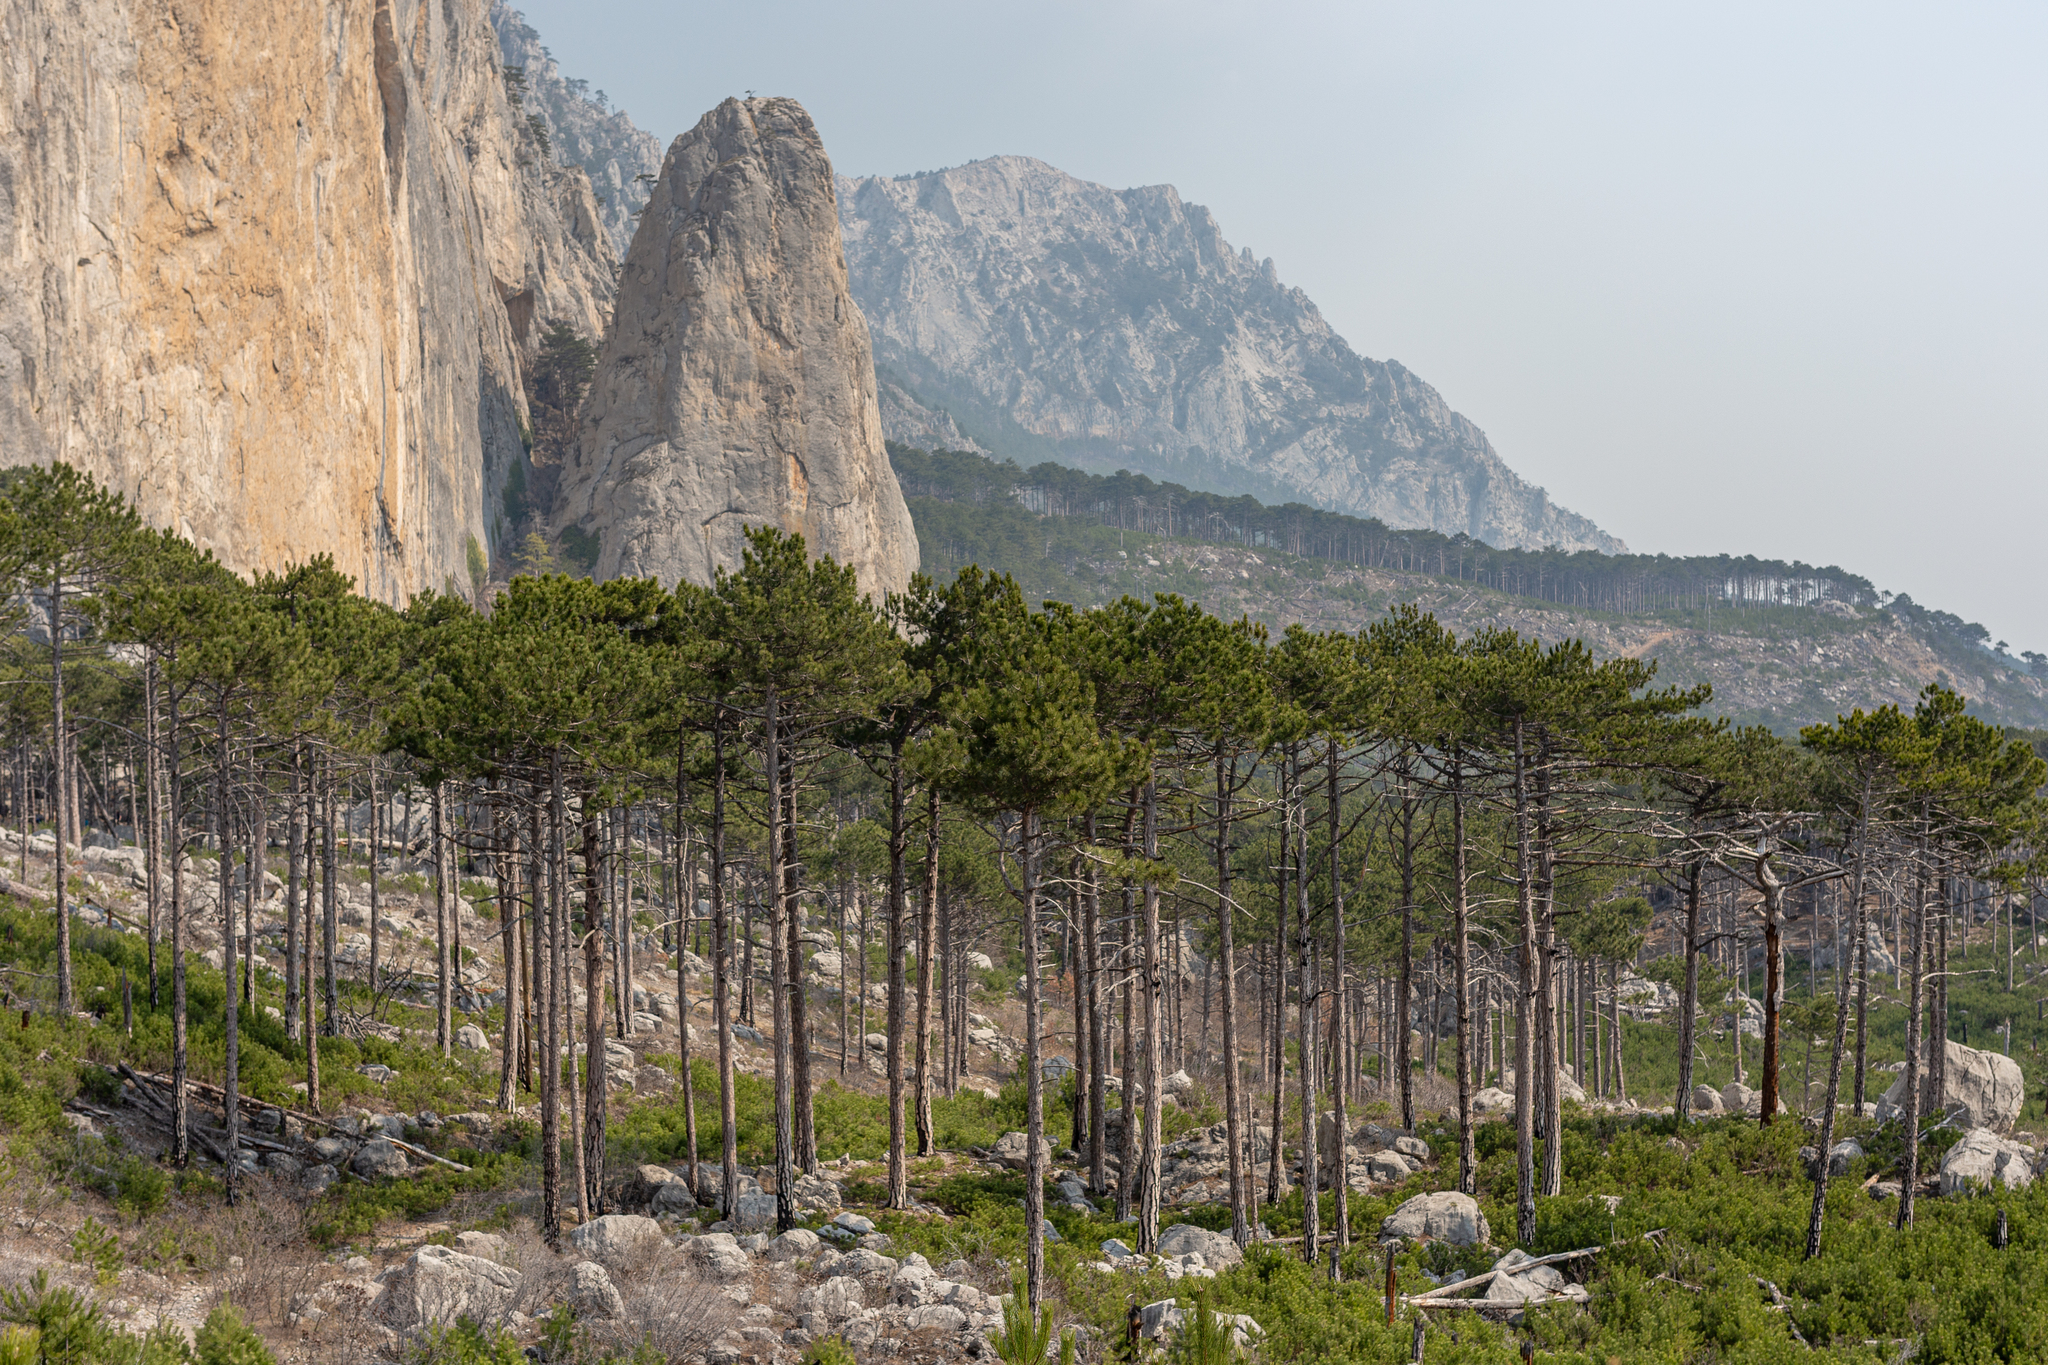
pixel 1937 1024
pixel 181 1137
pixel 1128 1168
pixel 806 1128
pixel 1526 1089
pixel 551 1018
pixel 307 994
pixel 1774 979
pixel 1098 1026
pixel 1339 1169
pixel 231 1007
pixel 721 977
pixel 892 1052
pixel 684 898
pixel 778 967
pixel 377 911
pixel 505 845
pixel 1404 1060
pixel 1910 1118
pixel 1689 1006
pixel 538 996
pixel 927 977
pixel 1034 1083
pixel 1549 1063
pixel 1311 1221
pixel 1155 1086
pixel 294 919
pixel 623 922
pixel 593 1015
pixel 1276 1025
pixel 152 840
pixel 444 995
pixel 259 854
pixel 1461 950
pixel 1077 895
pixel 61 773
pixel 330 923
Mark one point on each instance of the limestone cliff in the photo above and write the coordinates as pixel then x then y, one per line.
pixel 737 387
pixel 1056 319
pixel 271 270
pixel 582 126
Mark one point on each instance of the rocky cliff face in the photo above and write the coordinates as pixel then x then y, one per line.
pixel 271 271
pixel 1057 319
pixel 737 387
pixel 582 127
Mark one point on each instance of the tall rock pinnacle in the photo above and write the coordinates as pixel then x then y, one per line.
pixel 737 385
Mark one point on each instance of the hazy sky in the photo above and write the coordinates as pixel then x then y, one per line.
pixel 1764 279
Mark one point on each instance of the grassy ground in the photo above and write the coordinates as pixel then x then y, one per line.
pixel 1723 1279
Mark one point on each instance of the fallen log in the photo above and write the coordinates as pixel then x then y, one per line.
pixel 214 1092
pixel 1453 1295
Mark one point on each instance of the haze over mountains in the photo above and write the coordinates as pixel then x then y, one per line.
pixel 337 331
pixel 1056 319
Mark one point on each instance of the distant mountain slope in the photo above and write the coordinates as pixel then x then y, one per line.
pixel 1784 644
pixel 1057 319
pixel 583 129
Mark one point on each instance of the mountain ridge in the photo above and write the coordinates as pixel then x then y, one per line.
pixel 1784 644
pixel 1039 313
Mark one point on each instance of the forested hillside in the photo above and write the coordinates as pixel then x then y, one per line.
pixel 1784 644
pixel 626 974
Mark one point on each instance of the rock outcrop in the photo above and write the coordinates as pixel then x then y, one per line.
pixel 271 271
pixel 1985 1161
pixel 1056 319
pixel 583 129
pixel 1987 1088
pixel 737 386
pixel 1445 1216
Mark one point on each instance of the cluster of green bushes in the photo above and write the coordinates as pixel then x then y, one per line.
pixel 53 1325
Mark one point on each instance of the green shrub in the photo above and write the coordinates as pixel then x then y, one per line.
pixel 70 1328
pixel 1205 1340
pixel 224 1339
pixel 1023 1339
pixel 99 1250
pixel 465 1343
pixel 828 1351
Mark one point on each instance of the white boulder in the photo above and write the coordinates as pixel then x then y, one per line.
pixel 1983 1161
pixel 438 1285
pixel 832 1302
pixel 592 1293
pixel 1215 1248
pixel 1988 1085
pixel 1013 1150
pixel 795 1245
pixel 621 1242
pixel 1445 1216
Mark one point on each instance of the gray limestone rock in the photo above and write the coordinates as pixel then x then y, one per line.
pixel 438 1285
pixel 593 1295
pixel 1445 1216
pixel 584 130
pixel 1117 327
pixel 275 272
pixel 378 1159
pixel 1215 1248
pixel 1985 1161
pixel 736 388
pixel 1988 1085
pixel 620 1242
